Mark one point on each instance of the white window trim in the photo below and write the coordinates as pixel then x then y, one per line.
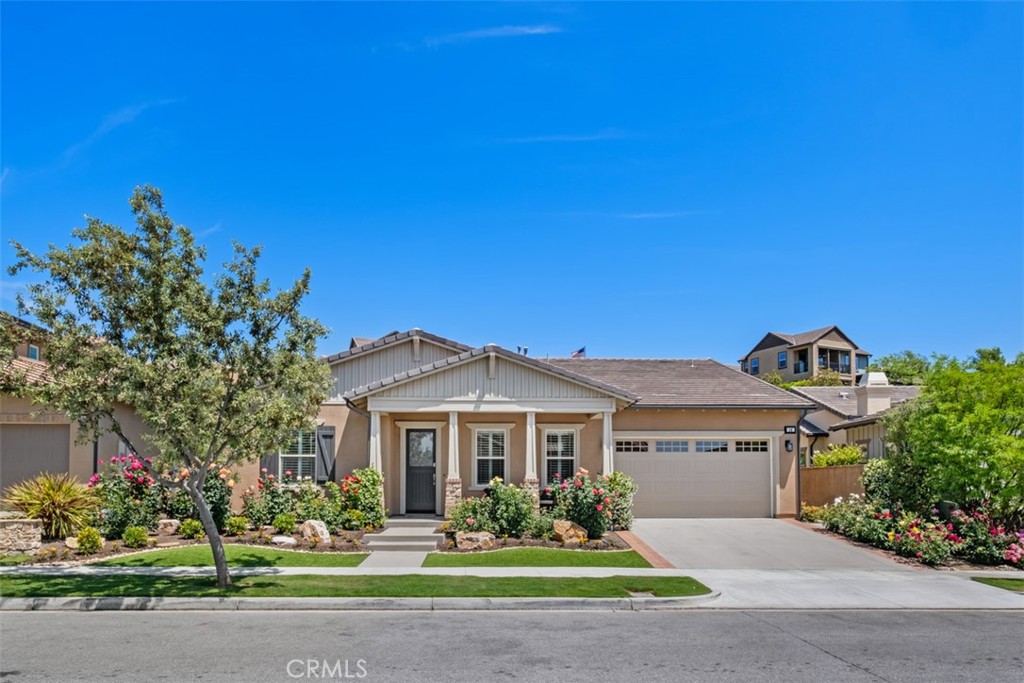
pixel 505 428
pixel 575 428
pixel 403 426
pixel 313 456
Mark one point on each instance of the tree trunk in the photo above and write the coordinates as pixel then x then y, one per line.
pixel 212 534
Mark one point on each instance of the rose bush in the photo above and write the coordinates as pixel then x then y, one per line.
pixel 583 501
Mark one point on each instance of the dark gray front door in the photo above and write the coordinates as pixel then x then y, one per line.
pixel 420 452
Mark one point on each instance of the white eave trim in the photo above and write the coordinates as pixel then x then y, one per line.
pixel 721 433
pixel 490 405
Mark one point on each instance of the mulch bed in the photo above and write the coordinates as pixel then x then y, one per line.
pixel 610 541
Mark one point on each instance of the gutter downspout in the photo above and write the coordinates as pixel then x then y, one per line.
pixel 95 456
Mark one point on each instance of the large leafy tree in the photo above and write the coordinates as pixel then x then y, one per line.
pixel 905 367
pixel 965 435
pixel 220 369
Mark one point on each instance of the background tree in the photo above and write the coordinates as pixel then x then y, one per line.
pixel 220 370
pixel 905 367
pixel 965 435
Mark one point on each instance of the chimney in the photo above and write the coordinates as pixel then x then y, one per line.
pixel 873 393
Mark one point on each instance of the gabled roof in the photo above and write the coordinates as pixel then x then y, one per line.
pixel 682 383
pixel 395 338
pixel 810 429
pixel 474 354
pixel 843 401
pixel 800 339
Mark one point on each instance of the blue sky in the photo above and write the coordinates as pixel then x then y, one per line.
pixel 646 180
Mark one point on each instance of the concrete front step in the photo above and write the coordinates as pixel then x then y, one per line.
pixel 413 522
pixel 401 546
pixel 403 535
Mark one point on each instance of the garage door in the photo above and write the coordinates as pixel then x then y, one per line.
pixel 28 449
pixel 698 478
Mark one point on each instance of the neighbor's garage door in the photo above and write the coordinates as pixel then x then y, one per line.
pixel 698 478
pixel 28 449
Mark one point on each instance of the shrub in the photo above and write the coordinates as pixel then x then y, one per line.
pixel 855 518
pixel 1015 551
pixel 89 541
pixel 311 503
pixel 983 541
pixel 62 503
pixel 584 502
pixel 236 526
pixel 837 456
pixel 134 537
pixel 128 496
pixel 622 489
pixel 541 525
pixel 363 490
pixel 811 513
pixel 471 514
pixel 284 523
pixel 191 528
pixel 268 500
pixel 509 508
pixel 929 541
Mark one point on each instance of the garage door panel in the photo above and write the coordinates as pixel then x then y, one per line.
pixel 699 484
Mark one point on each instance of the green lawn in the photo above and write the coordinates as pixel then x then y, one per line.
pixel 538 557
pixel 406 585
pixel 238 556
pixel 1015 585
pixel 18 558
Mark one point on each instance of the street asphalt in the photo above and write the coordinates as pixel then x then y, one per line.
pixel 704 646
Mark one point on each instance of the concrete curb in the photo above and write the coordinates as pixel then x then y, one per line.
pixel 350 604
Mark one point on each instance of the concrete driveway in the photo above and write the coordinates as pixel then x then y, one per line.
pixel 753 544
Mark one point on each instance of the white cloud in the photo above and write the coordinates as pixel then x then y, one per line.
pixel 492 32
pixel 113 121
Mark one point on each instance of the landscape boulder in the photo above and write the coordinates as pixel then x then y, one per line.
pixel 474 540
pixel 313 530
pixel 284 540
pixel 168 526
pixel 568 532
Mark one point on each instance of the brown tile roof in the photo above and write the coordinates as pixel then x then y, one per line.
pixel 33 370
pixel 843 401
pixel 484 350
pixel 394 338
pixel 801 338
pixel 682 383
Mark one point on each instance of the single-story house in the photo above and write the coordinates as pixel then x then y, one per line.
pixel 439 419
pixel 850 415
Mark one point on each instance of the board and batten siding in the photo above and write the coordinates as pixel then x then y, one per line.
pixel 871 437
pixel 383 363
pixel 511 380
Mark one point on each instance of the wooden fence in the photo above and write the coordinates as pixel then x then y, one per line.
pixel 821 485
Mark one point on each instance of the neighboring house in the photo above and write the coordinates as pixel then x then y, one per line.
pixel 848 415
pixel 440 419
pixel 803 356
pixel 35 439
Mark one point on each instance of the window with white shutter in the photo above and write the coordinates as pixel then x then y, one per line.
pixel 298 460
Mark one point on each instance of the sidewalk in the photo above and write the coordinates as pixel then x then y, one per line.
pixel 739 588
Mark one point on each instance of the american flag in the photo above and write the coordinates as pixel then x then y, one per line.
pixel 579 353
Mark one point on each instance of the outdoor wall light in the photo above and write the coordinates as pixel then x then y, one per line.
pixel 789 446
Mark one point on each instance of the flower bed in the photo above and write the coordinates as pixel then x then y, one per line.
pixel 961 537
pixel 584 512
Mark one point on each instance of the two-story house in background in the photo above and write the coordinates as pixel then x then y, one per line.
pixel 806 354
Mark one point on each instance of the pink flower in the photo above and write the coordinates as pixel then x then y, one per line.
pixel 594 492
pixel 100 461
pixel 547 489
pixel 607 500
pixel 579 483
pixel 263 470
pixel 470 521
pixel 563 486
pixel 270 476
pixel 287 473
pixel 600 507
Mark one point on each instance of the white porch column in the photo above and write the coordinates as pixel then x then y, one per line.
pixel 376 460
pixel 531 446
pixel 607 445
pixel 453 445
pixel 452 481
